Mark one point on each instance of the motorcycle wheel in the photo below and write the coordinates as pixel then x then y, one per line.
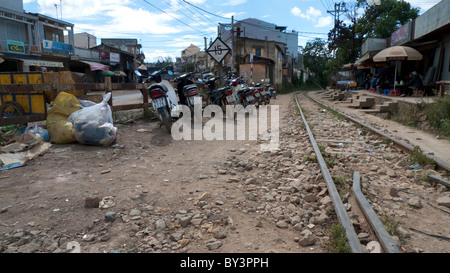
pixel 267 100
pixel 257 102
pixel 167 121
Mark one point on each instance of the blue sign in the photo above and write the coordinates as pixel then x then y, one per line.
pixel 56 47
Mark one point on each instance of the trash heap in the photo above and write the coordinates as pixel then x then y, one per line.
pixel 69 120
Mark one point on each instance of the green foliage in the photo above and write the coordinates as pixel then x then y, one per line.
pixel 391 225
pixel 438 115
pixel 418 157
pixel 380 21
pixel 315 57
pixel 377 21
pixel 341 185
pixel 338 240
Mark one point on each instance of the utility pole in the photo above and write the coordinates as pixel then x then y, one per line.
pixel 206 55
pixel 233 48
pixel 338 8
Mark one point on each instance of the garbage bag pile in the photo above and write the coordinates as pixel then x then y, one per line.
pixel 59 128
pixel 70 120
pixel 93 125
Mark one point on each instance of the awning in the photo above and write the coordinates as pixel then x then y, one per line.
pixel 96 66
pixel 42 63
pixel 363 58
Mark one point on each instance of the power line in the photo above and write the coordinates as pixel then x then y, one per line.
pixel 196 14
pixel 205 10
pixel 173 17
pixel 175 9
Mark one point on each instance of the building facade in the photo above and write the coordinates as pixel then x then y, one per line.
pixel 273 50
pixel 30 41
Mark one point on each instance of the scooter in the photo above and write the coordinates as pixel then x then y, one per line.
pixel 164 99
pixel 190 92
pixel 246 96
pixel 192 96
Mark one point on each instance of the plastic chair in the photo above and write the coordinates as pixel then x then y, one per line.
pixel 387 92
pixel 394 93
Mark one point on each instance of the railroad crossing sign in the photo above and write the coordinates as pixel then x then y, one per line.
pixel 218 50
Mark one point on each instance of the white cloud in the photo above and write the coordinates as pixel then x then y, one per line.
pixel 154 56
pixel 423 5
pixel 80 8
pixel 296 11
pixel 234 2
pixel 324 22
pixel 229 14
pixel 314 15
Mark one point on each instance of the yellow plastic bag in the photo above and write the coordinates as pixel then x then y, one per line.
pixel 59 128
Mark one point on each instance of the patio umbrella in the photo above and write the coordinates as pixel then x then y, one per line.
pixel 397 53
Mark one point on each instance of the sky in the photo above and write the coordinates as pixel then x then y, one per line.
pixel 166 27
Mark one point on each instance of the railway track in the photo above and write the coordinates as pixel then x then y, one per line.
pixel 365 170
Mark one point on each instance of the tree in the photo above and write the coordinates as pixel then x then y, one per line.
pixel 377 21
pixel 315 57
pixel 380 21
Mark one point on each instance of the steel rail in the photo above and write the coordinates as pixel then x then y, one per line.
pixel 399 143
pixel 387 243
pixel 439 180
pixel 352 238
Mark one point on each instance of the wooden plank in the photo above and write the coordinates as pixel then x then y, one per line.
pixel 18 88
pixel 126 107
pixel 22 119
pixel 10 88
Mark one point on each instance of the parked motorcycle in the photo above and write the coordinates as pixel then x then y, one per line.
pixel 163 98
pixel 246 95
pixel 190 92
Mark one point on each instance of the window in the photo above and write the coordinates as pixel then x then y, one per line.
pixel 258 51
pixel 56 37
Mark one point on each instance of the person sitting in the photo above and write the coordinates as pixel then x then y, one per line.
pixel 368 81
pixel 414 82
pixel 382 82
pixel 373 83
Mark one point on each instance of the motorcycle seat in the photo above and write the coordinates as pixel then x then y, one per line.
pixel 190 87
pixel 158 85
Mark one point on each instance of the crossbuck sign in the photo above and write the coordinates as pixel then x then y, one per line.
pixel 218 50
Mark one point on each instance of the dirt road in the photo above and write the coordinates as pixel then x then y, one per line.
pixel 160 195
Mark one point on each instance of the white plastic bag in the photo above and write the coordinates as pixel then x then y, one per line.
pixel 37 131
pixel 93 125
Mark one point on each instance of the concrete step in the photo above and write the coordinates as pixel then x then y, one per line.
pixel 363 103
pixel 381 108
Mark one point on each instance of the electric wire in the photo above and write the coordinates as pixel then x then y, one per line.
pixel 195 12
pixel 205 10
pixel 174 17
pixel 178 10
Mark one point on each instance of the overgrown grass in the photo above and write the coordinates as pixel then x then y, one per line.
pixel 341 185
pixel 418 157
pixel 338 240
pixel 436 115
pixel 391 225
